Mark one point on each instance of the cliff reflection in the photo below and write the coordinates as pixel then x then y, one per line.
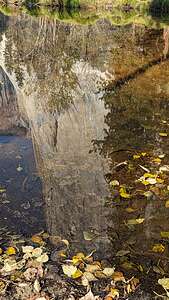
pixel 60 75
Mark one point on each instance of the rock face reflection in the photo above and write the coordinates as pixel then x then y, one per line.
pixel 59 72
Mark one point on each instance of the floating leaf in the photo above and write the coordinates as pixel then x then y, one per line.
pixel 118 276
pixel 108 271
pixel 164 234
pixel 158 248
pixel 164 168
pixel 92 268
pixel 114 183
pixel 123 193
pixel 88 236
pixel 164 282
pixel 69 270
pixel 130 209
pixel 135 221
pixel 10 251
pixel 78 258
pixel 37 286
pixel 89 296
pixel 37 239
pixel 19 169
pixel 77 274
pixel 136 156
pixel 163 134
pixel 89 276
pixel 43 258
pixel 27 249
pixel 157 160
pixel 122 252
pixel 114 293
pixel 9 265
pixel 37 252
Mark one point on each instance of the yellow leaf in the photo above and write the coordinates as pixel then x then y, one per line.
pixel 37 239
pixel 77 274
pixel 78 258
pixel 10 251
pixel 149 175
pixel 135 221
pixel 2 190
pixel 136 156
pixel 130 209
pixel 69 270
pixel 1 250
pixel 123 193
pixel 143 153
pixel 159 180
pixel 167 204
pixel 158 248
pixel 163 134
pixel 114 293
pixel 114 183
pixel 164 234
pixel 118 276
pixel 157 160
pixel 164 282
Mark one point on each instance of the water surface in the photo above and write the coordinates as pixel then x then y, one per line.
pixel 86 98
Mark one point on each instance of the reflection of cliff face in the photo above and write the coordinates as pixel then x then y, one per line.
pixel 10 118
pixel 59 72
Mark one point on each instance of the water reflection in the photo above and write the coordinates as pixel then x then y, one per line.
pixel 88 92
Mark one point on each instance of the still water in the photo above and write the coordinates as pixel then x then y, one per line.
pixel 76 101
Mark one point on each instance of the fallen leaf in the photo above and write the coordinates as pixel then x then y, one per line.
pixel 164 234
pixel 89 296
pixel 130 209
pixel 163 134
pixel 157 160
pixel 10 251
pixel 69 270
pixel 164 282
pixel 37 239
pixel 37 286
pixel 108 271
pixel 123 193
pixel 135 221
pixel 167 204
pixel 89 276
pixel 118 276
pixel 77 274
pixel 89 236
pixel 164 168
pixel 27 249
pixel 122 252
pixel 92 268
pixel 43 258
pixel 114 183
pixel 158 248
pixel 9 265
pixel 37 252
pixel 19 168
pixel 114 293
